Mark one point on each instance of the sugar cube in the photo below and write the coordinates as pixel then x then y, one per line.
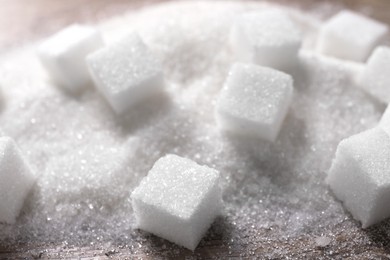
pixel 126 72
pixel 178 200
pixel 254 101
pixel 376 78
pixel 384 123
pixel 16 180
pixel 360 177
pixel 267 38
pixel 351 36
pixel 63 56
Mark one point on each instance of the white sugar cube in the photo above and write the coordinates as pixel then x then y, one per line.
pixel 126 72
pixel 178 200
pixel 350 36
pixel 254 101
pixel 16 180
pixel 376 77
pixel 267 38
pixel 360 175
pixel 384 123
pixel 63 56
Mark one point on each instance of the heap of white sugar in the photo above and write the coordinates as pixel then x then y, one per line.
pixel 89 159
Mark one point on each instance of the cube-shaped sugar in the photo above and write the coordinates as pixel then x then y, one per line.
pixel 350 36
pixel 126 72
pixel 16 180
pixel 384 123
pixel 63 56
pixel 376 77
pixel 267 38
pixel 254 101
pixel 178 200
pixel 360 175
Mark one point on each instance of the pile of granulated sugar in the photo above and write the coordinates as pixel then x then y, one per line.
pixel 89 160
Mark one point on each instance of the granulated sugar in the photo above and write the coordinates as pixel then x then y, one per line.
pixel 89 160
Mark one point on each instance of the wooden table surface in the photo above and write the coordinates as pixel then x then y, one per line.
pixel 22 21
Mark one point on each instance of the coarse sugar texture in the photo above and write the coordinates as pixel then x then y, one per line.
pixel 269 38
pixel 359 175
pixel 254 101
pixel 275 198
pixel 126 72
pixel 63 56
pixel 16 180
pixel 178 200
pixel 352 36
pixel 375 79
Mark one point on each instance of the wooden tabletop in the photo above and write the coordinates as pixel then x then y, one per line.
pixel 22 21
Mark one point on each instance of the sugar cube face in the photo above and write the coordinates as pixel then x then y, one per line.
pixel 384 123
pixel 16 180
pixel 63 56
pixel 126 72
pixel 350 36
pixel 360 177
pixel 376 78
pixel 178 200
pixel 267 38
pixel 254 101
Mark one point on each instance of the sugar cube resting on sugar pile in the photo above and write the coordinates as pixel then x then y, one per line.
pixel 267 38
pixel 126 72
pixel 384 123
pixel 351 36
pixel 16 180
pixel 360 175
pixel 63 56
pixel 376 75
pixel 254 101
pixel 178 200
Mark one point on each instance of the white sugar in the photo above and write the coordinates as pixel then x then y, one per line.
pixel 178 200
pixel 322 241
pixel 384 123
pixel 126 72
pixel 254 101
pixel 359 175
pixel 375 78
pixel 63 56
pixel 268 38
pixel 90 159
pixel 351 36
pixel 16 180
